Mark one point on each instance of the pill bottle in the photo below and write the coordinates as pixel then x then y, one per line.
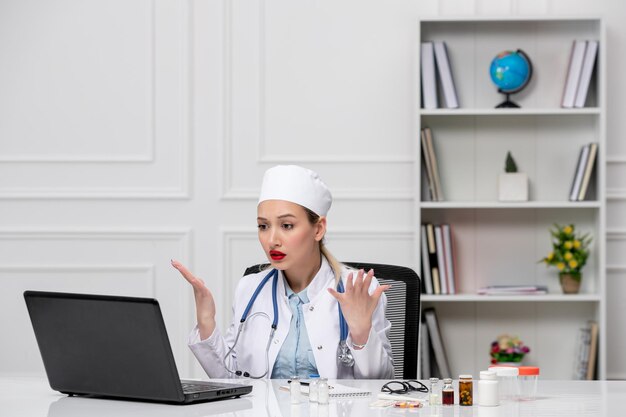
pixel 528 377
pixel 466 392
pixel 507 382
pixel 488 389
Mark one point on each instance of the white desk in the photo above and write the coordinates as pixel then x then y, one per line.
pixel 32 397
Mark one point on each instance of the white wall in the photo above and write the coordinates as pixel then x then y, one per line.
pixel 136 132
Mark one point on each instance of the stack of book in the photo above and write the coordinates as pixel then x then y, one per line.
pixel 438 261
pixel 435 55
pixel 433 358
pixel 430 167
pixel 584 169
pixel 513 290
pixel 586 351
pixel 581 65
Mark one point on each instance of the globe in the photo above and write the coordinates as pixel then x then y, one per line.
pixel 510 71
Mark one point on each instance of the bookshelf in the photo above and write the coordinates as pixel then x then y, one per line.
pixel 499 243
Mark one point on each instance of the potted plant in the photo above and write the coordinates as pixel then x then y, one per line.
pixel 512 185
pixel 569 254
pixel 508 350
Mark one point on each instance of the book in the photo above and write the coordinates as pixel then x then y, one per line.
pixel 425 192
pixel 433 164
pixel 577 56
pixel 590 163
pixel 439 351
pixel 585 76
pixel 432 258
pixel 427 278
pixel 445 75
pixel 580 368
pixel 425 351
pixel 441 261
pixel 429 76
pixel 593 350
pixel 335 390
pixel 426 154
pixel 448 249
pixel 579 173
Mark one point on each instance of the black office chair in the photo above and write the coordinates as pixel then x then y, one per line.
pixel 403 311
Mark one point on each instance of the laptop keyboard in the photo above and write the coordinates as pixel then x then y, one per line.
pixel 191 387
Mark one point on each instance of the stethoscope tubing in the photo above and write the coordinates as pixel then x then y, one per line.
pixel 343 325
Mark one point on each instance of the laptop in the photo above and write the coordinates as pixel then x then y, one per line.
pixel 110 346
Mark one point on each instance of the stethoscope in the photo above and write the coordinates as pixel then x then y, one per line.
pixel 344 355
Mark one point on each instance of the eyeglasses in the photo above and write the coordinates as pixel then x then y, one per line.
pixel 402 387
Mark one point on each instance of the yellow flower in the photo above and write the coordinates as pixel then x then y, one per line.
pixel 577 244
pixel 568 230
pixel 573 264
pixel 560 266
pixel 568 256
pixel 568 245
pixel 550 256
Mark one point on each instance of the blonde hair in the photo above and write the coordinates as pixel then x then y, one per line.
pixel 334 263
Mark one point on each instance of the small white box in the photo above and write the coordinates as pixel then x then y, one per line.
pixel 513 187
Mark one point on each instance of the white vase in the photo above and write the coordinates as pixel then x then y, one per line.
pixel 513 186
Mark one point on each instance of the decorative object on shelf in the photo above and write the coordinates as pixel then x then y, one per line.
pixel 508 350
pixel 511 72
pixel 569 254
pixel 512 185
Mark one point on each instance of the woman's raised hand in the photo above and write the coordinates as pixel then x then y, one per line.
pixel 205 304
pixel 358 305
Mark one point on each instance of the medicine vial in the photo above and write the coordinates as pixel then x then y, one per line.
pixel 466 392
pixel 488 389
pixel 434 398
pixel 294 390
pixel 447 392
pixel 322 391
pixel 313 390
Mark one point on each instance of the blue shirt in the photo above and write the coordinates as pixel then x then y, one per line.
pixel 295 357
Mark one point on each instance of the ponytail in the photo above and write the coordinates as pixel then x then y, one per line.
pixel 334 263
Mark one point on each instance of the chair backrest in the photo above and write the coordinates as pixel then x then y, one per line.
pixel 403 311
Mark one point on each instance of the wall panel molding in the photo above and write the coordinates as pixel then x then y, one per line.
pixel 168 110
pixel 97 251
pixel 264 159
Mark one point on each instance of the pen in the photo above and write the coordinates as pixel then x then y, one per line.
pixel 397 397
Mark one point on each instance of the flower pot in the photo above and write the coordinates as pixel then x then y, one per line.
pixel 570 283
pixel 513 187
pixel 515 364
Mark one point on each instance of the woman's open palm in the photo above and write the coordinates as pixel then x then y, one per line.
pixel 357 304
pixel 205 304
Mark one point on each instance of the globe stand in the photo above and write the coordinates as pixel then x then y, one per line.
pixel 507 104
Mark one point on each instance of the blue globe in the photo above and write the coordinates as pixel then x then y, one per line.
pixel 510 71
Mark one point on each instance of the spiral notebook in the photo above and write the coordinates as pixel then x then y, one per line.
pixel 335 390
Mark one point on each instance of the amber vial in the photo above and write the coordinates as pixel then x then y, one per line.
pixel 447 393
pixel 465 390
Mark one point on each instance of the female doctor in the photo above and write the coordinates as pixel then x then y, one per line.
pixel 306 313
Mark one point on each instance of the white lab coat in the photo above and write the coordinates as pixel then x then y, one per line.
pixel 321 317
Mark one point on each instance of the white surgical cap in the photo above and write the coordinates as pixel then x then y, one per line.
pixel 298 185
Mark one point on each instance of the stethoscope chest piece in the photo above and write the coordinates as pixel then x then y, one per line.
pixel 344 354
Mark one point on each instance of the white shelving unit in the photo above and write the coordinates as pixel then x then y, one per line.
pixel 501 243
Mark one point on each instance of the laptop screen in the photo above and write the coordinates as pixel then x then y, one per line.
pixel 104 345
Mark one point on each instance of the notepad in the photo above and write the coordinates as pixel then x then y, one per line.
pixel 335 390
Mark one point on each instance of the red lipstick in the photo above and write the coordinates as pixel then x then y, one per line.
pixel 277 255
